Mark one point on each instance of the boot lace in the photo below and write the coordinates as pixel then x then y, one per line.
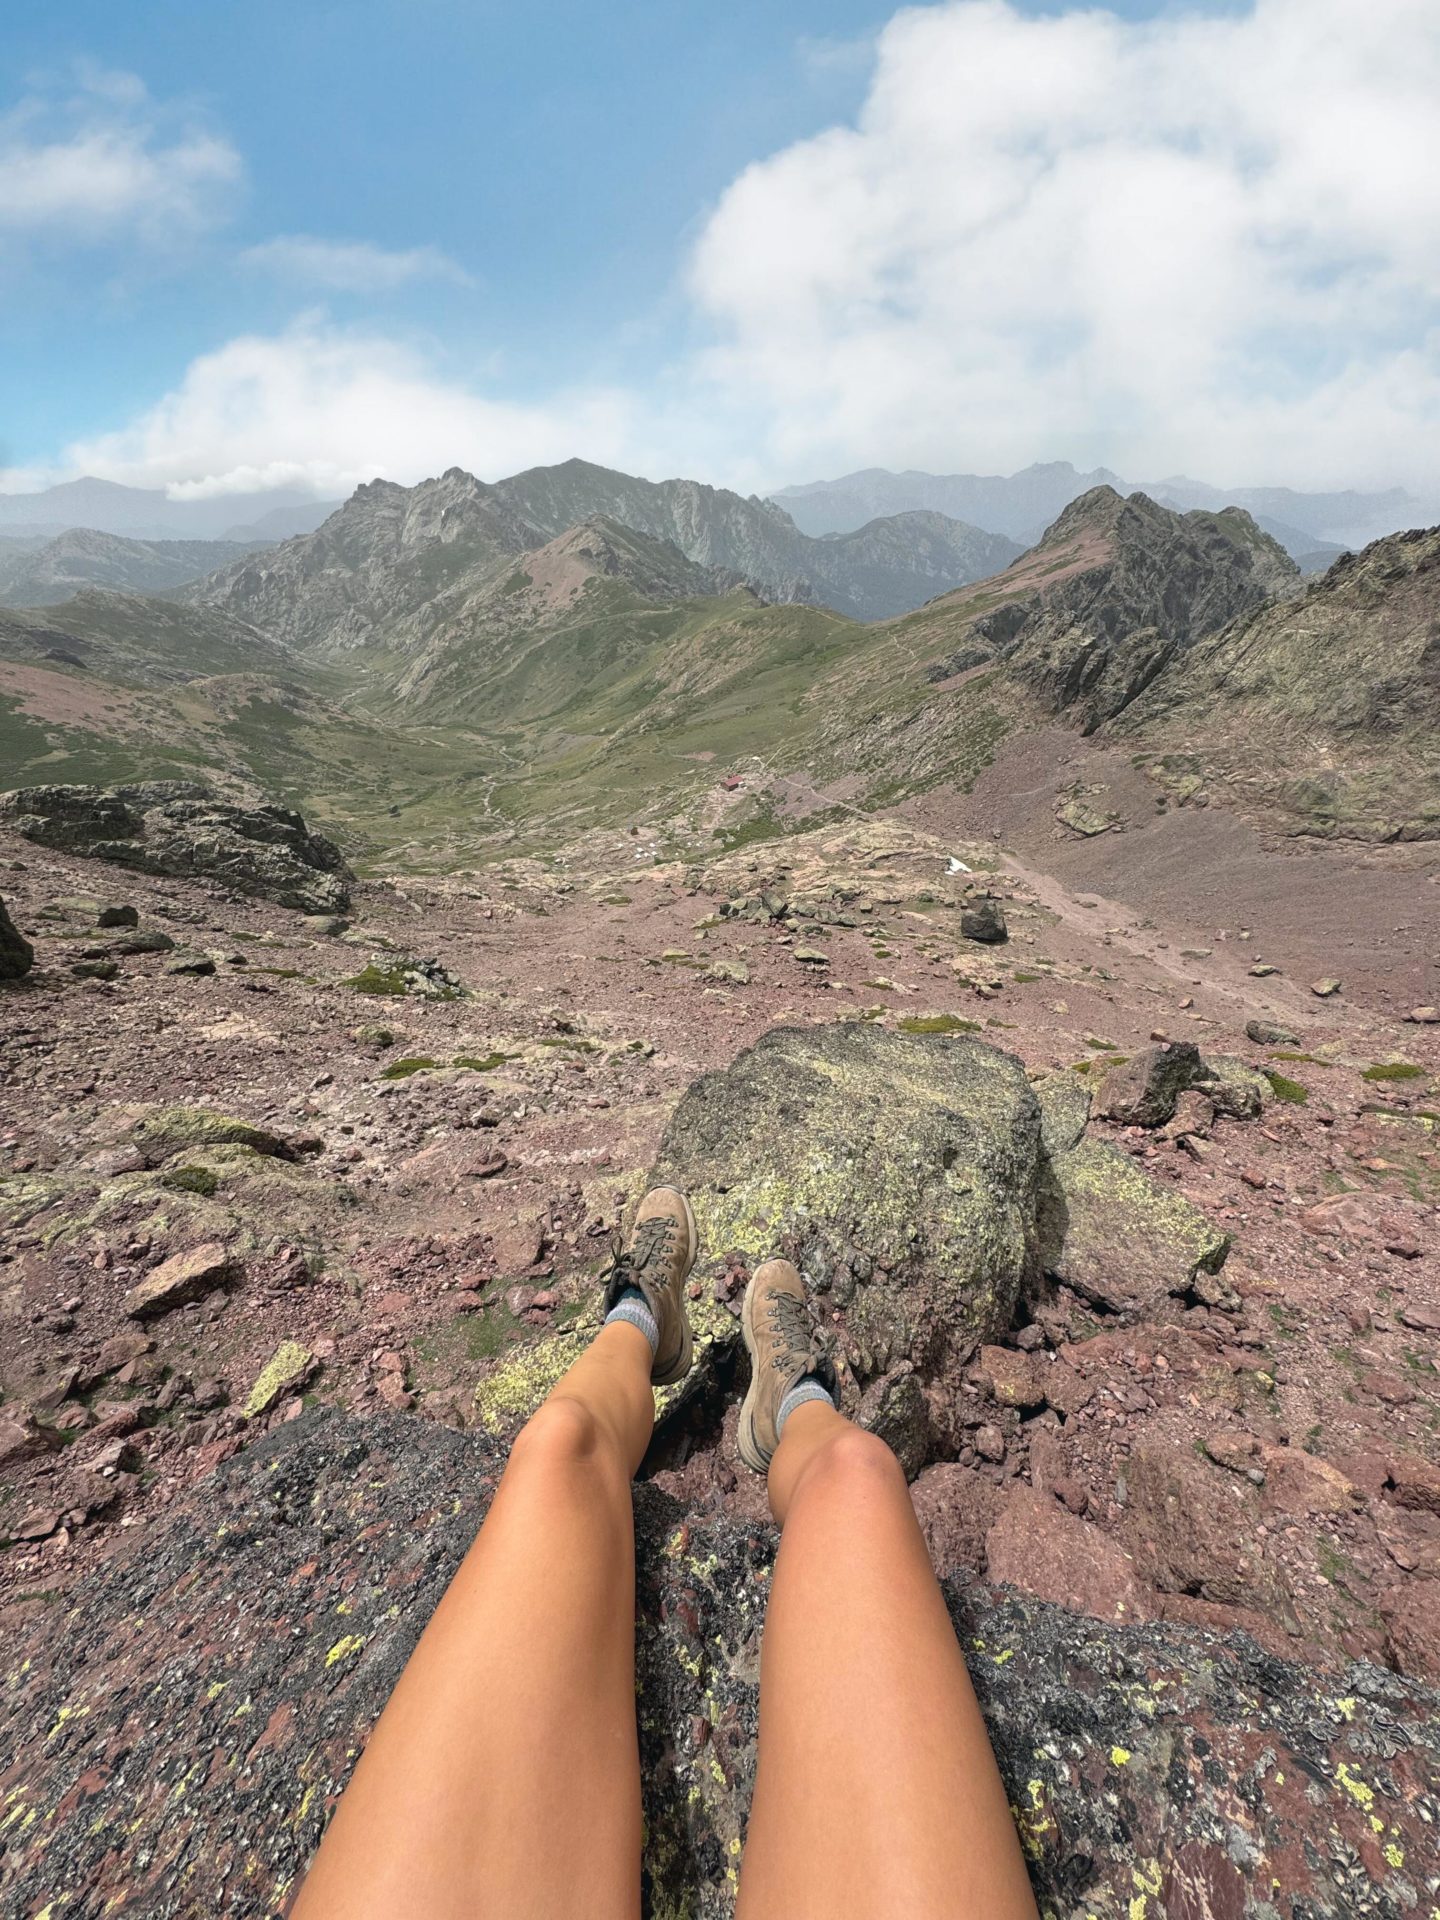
pixel 790 1320
pixel 652 1248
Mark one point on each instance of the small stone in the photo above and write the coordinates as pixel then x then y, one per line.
pixel 1012 1377
pixel 1262 970
pixel 186 962
pixel 1424 1016
pixel 38 1524
pixel 118 914
pixel 989 1443
pixel 1325 989
pixel 116 1456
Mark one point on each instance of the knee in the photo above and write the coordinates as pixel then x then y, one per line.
pixel 560 1436
pixel 852 1468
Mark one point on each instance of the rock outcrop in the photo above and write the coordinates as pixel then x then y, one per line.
pixel 1114 594
pixel 206 1694
pixel 171 827
pixel 1322 709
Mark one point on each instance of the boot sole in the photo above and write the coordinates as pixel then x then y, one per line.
pixel 745 1441
pixel 685 1360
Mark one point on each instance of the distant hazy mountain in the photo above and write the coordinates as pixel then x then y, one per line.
pixel 147 513
pixel 1023 504
pixel 42 574
pixel 391 551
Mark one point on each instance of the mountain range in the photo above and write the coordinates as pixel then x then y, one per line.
pixel 1312 527
pixel 148 513
pixel 38 572
pixel 464 669
pixel 393 552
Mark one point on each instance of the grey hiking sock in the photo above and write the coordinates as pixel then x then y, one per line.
pixel 807 1389
pixel 631 1306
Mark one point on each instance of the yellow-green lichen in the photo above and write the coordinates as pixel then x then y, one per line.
pixel 518 1384
pixel 287 1366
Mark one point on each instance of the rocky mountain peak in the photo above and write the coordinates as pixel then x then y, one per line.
pixel 1097 511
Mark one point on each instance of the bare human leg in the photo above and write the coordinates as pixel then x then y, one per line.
pixel 877 1792
pixel 521 1694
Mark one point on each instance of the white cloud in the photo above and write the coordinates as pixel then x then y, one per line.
pixel 349 266
pixel 326 408
pixel 1203 240
pixel 101 161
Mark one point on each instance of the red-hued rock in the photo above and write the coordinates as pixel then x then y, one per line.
pixel 1038 1546
pixel 956 1508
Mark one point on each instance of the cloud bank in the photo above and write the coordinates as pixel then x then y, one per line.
pixel 1201 241
pixel 324 407
pixel 99 160
pixel 1214 238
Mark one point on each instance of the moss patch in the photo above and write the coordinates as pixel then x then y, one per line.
pixel 1290 1091
pixel 201 1180
pixel 937 1023
pixel 412 1063
pixel 1393 1070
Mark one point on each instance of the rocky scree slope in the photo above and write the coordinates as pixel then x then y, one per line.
pixel 308 1163
pixel 391 548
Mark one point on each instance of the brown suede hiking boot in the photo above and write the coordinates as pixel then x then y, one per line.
pixel 658 1260
pixel 782 1348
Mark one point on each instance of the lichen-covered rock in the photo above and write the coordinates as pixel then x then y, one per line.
pixel 183 1277
pixel 17 956
pixel 1117 1238
pixel 288 1368
pixel 1064 1110
pixel 911 1159
pixel 167 1129
pixel 1234 1088
pixel 175 1737
pixel 173 827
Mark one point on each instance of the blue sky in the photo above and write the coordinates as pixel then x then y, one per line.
pixel 560 213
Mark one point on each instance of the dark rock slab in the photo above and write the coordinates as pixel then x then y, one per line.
pixel 17 956
pixel 172 827
pixel 174 1733
pixel 1143 1092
